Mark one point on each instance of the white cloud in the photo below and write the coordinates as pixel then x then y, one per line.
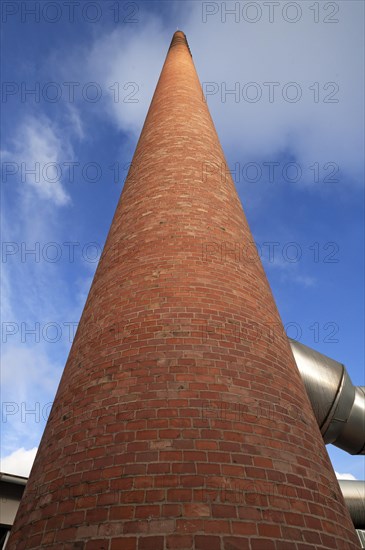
pixel 126 64
pixel 31 364
pixel 36 293
pixel 19 462
pixel 303 53
pixel 29 380
pixel 344 476
pixel 235 53
pixel 6 294
pixel 288 271
pixel 75 121
pixel 305 280
pixel 27 371
pixel 39 147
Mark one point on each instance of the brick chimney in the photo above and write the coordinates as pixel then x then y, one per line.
pixel 181 420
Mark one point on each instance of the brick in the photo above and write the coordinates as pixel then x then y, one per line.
pixel 97 544
pixel 263 462
pixel 218 526
pixel 269 530
pixel 294 519
pixel 179 542
pixel 312 536
pixel 235 543
pixel 197 510
pixel 125 543
pixel 171 510
pixel 313 523
pixel 260 544
pixel 66 534
pixel 147 511
pixel 120 512
pixel 207 542
pixel 159 468
pixel 241 528
pixel 151 543
pixel 223 511
pixel 179 495
pixel 189 526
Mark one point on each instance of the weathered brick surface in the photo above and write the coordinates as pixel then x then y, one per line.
pixel 181 420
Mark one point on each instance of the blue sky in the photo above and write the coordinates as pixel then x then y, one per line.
pixel 284 85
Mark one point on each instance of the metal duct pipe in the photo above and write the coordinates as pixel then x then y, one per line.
pixel 338 405
pixel 354 495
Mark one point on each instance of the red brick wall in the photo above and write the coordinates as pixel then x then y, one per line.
pixel 181 420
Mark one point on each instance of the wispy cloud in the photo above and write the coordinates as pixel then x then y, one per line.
pixel 305 280
pixel 35 293
pixel 19 462
pixel 313 129
pixel 37 150
pixel 288 272
pixel 123 65
pixel 75 121
pixel 29 379
pixel 324 126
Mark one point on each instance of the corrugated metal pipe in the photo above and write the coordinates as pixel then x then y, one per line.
pixel 338 405
pixel 354 495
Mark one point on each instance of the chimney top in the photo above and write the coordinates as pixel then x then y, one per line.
pixel 179 39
